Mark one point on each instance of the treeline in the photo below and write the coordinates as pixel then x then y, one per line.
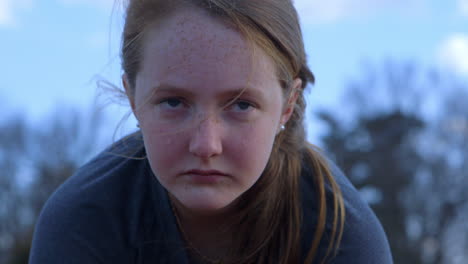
pixel 400 134
pixel 34 161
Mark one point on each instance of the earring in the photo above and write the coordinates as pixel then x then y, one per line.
pixel 283 127
pixel 138 125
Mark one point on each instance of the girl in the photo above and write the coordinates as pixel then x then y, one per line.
pixel 219 171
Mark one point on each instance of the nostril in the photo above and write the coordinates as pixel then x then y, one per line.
pixel 206 141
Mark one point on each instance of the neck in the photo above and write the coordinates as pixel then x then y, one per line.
pixel 208 234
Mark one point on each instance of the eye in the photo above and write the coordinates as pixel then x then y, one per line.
pixel 172 102
pixel 242 106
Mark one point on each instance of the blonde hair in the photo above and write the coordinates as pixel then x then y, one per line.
pixel 270 212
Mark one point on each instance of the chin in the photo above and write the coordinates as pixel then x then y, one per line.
pixel 206 205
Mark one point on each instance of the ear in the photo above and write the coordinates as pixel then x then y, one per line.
pixel 128 91
pixel 289 107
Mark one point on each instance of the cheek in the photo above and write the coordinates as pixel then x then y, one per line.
pixel 163 150
pixel 251 148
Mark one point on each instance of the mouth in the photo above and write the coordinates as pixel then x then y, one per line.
pixel 206 172
pixel 205 176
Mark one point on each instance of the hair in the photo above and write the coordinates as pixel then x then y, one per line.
pixel 270 211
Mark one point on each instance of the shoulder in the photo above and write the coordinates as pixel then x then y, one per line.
pixel 363 240
pixel 113 183
pixel 99 213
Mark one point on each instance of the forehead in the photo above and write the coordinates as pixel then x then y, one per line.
pixel 191 46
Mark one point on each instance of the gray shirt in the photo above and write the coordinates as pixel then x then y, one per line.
pixel 113 210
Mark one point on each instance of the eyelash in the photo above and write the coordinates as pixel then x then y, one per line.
pixel 166 101
pixel 238 103
pixel 173 99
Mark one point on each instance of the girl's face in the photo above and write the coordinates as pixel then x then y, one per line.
pixel 206 141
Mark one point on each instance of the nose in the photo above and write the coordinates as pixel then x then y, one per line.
pixel 206 140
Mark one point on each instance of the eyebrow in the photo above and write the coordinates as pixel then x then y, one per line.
pixel 163 87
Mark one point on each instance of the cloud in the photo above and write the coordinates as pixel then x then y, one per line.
pixel 8 9
pixel 463 7
pixel 453 53
pixel 6 12
pixel 318 11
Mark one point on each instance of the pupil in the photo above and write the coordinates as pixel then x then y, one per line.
pixel 243 105
pixel 173 102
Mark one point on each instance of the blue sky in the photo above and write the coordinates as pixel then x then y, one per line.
pixel 51 51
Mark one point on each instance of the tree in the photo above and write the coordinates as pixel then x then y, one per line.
pixel 13 135
pixel 441 216
pixel 35 161
pixel 381 144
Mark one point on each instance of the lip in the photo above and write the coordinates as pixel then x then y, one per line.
pixel 205 176
pixel 205 172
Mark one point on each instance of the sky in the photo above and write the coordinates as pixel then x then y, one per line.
pixel 52 52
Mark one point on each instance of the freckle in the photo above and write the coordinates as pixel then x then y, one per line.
pixel 244 143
